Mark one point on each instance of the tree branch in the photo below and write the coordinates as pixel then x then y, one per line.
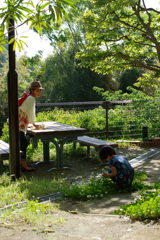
pixel 145 44
pixel 137 63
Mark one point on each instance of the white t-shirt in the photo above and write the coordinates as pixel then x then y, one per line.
pixel 27 113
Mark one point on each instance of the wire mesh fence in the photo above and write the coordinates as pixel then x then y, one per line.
pixel 110 119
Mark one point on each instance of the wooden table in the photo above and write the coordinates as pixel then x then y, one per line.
pixel 58 134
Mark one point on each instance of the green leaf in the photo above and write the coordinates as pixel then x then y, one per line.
pixel 44 5
pixel 26 9
pixel 1 48
pixel 58 15
pixel 22 43
pixel 23 37
pixel 11 40
pixel 15 45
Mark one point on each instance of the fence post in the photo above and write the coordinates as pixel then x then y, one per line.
pixel 144 132
pixel 106 107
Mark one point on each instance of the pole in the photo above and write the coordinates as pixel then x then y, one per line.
pixel 14 161
pixel 145 133
pixel 107 107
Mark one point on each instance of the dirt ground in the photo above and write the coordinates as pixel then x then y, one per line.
pixel 92 220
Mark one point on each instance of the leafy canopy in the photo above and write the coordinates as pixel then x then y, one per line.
pixel 31 12
pixel 121 34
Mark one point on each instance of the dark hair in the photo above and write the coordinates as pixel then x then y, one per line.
pixel 30 91
pixel 106 151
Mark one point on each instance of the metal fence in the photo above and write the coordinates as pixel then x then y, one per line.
pixel 122 119
pixel 134 119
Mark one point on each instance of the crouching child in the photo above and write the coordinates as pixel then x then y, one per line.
pixel 120 170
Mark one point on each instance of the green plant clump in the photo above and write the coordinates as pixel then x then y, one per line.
pixel 96 188
pixel 146 207
pixel 24 190
pixel 93 120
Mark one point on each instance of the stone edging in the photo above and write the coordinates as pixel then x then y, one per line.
pixel 151 153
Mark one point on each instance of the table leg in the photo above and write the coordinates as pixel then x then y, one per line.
pixel 68 139
pixel 46 154
pixel 59 151
pixel 34 143
pixel 1 162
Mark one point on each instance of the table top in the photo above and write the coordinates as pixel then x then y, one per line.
pixel 56 128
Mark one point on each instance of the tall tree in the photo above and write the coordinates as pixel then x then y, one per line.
pixel 65 81
pixel 129 78
pixel 121 34
pixel 67 40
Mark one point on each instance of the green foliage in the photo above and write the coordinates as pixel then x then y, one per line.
pixel 34 14
pixel 124 120
pixel 5 133
pixel 129 118
pixel 23 189
pixel 120 35
pixel 147 206
pixel 134 94
pixel 34 206
pixel 99 188
pixel 61 71
pixel 3 57
pixel 37 153
pixel 149 82
pixel 93 120
pixel 96 188
pixel 129 78
pixel 33 213
pixel 28 70
pixel 65 81
pixel 134 117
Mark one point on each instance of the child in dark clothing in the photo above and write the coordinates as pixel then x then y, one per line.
pixel 120 170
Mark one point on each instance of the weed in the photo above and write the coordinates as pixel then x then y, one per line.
pixel 96 188
pixel 23 189
pixel 147 206
pixel 33 213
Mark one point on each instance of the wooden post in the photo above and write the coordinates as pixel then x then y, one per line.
pixel 14 161
pixel 145 133
pixel 107 107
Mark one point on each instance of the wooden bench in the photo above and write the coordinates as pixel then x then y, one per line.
pixel 95 142
pixel 4 152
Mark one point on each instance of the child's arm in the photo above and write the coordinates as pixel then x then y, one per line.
pixel 114 173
